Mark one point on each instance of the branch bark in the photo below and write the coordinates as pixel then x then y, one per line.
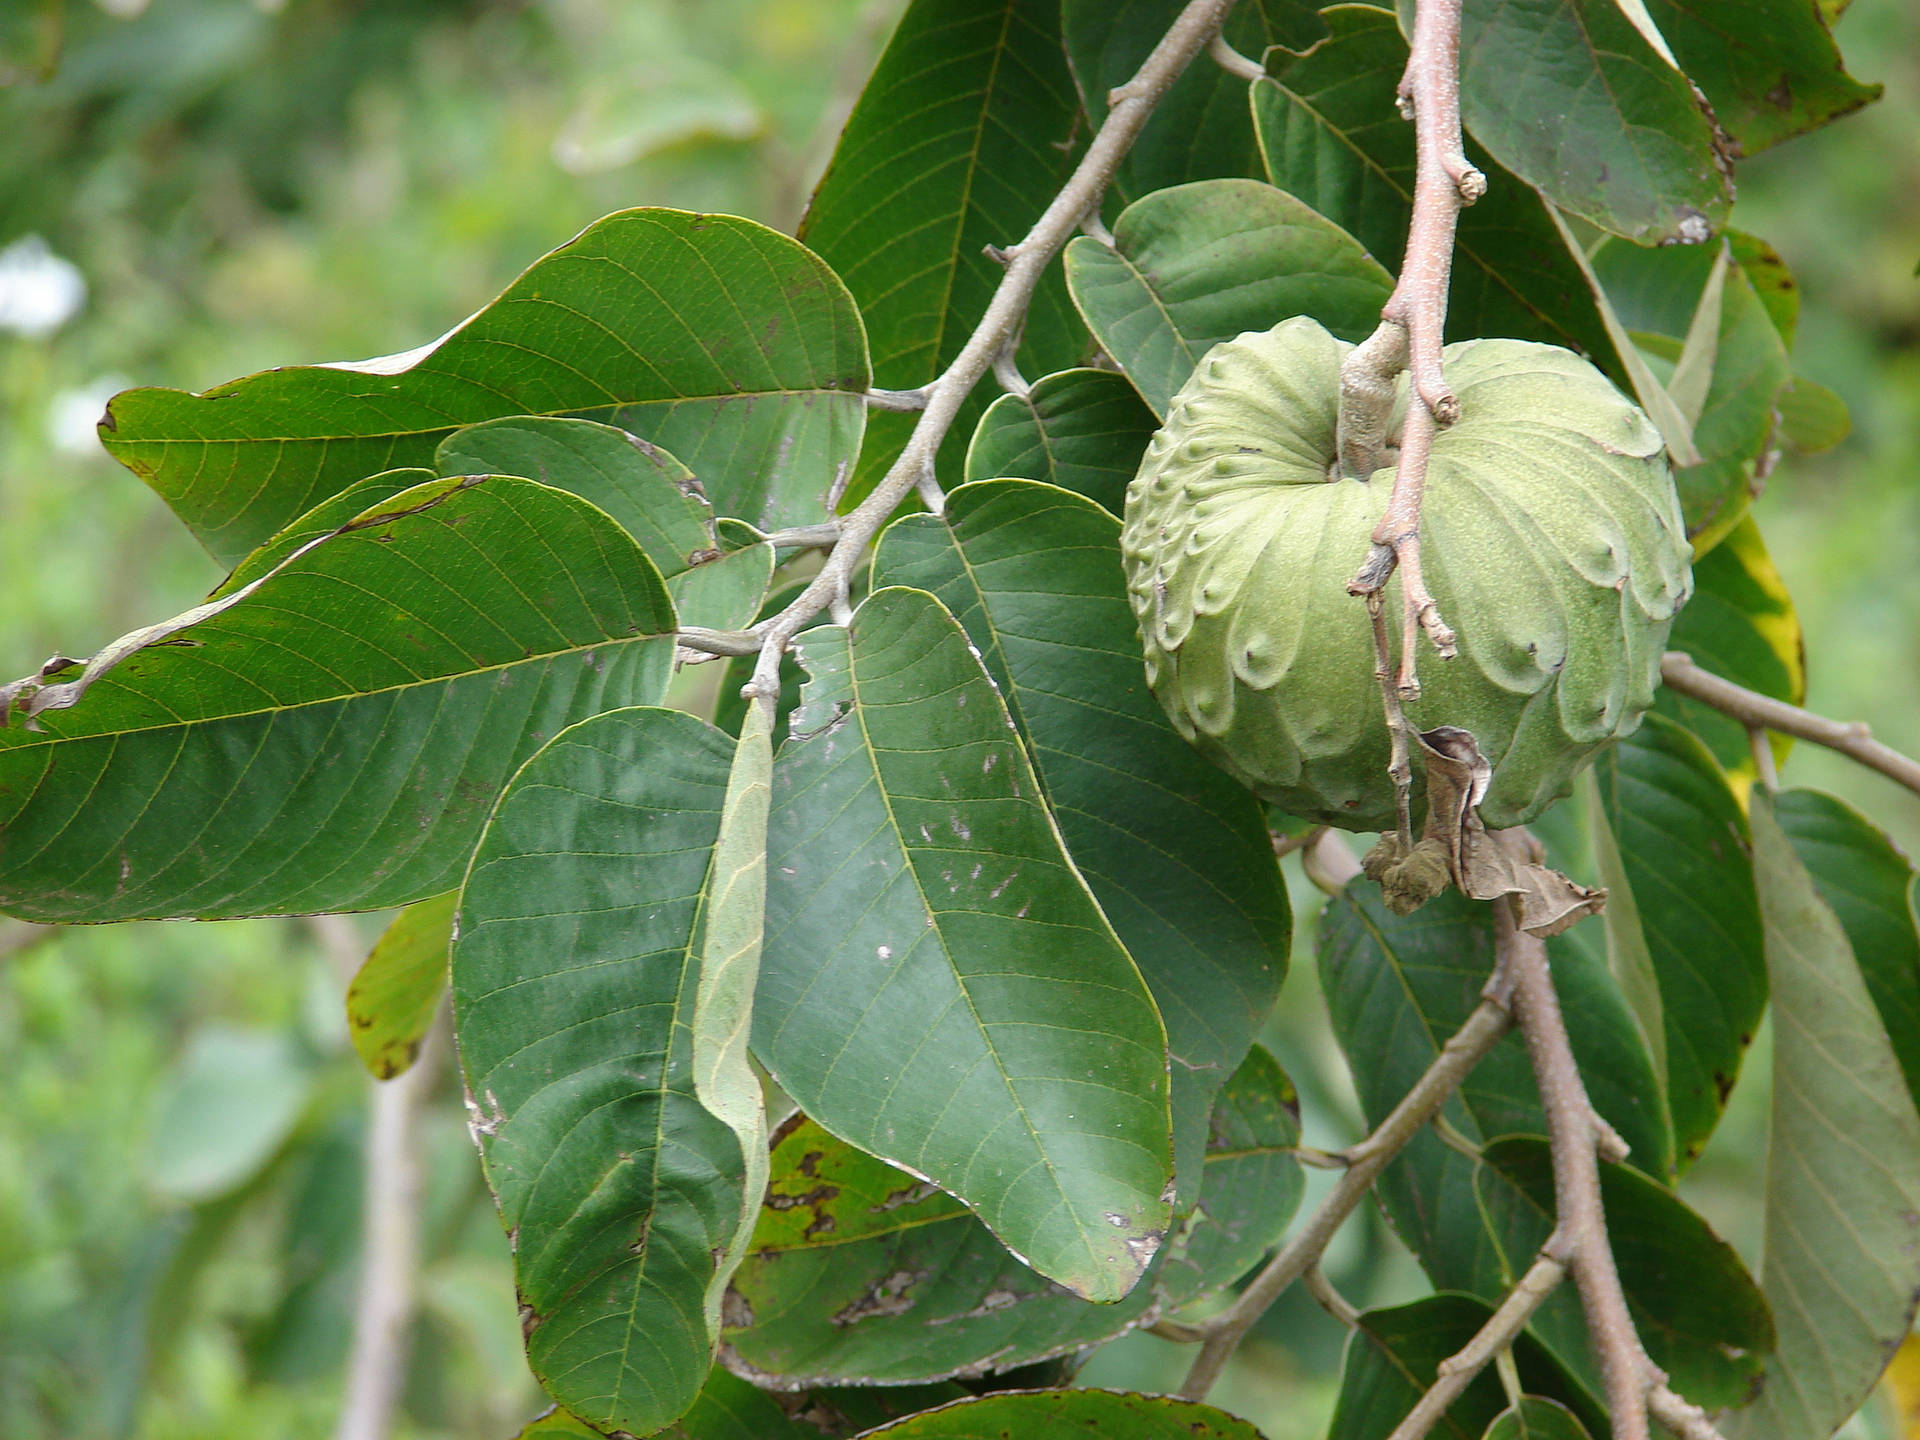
pixel 1128 109
pixel 1755 710
pixel 1364 1162
pixel 389 1222
pixel 1503 1327
pixel 1581 1225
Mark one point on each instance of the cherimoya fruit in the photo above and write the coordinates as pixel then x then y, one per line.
pixel 1551 539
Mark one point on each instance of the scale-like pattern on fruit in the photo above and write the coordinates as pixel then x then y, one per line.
pixel 1551 540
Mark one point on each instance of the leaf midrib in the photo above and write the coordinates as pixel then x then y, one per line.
pixel 571 412
pixel 43 741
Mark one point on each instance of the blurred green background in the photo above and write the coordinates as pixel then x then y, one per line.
pixel 245 183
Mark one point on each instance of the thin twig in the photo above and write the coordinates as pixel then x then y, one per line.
pixel 1284 845
pixel 805 537
pixel 1580 1222
pixel 1178 1331
pixel 1751 708
pixel 1317 1159
pixel 1128 109
pixel 1682 1417
pixel 1331 1300
pixel 902 400
pixel 1329 862
pixel 1457 1371
pixel 1399 762
pixel 720 642
pixel 1233 62
pixel 1412 325
pixel 1364 1162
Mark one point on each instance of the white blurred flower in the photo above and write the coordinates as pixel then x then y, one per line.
pixel 39 292
pixel 72 415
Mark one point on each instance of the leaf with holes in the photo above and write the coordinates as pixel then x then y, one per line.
pixel 335 739
pixel 726 342
pixel 859 1273
pixel 938 986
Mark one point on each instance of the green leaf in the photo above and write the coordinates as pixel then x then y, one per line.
pixel 1812 418
pixel 938 987
pixel 1740 624
pixel 227 1106
pixel 730 706
pixel 653 496
pixel 1683 847
pixel 334 740
pixel 575 969
pixel 723 341
pixel 360 498
pixel 1700 1315
pixel 727 1408
pixel 860 1273
pixel 1176 853
pixel 1397 987
pixel 1629 148
pixel 1083 430
pixel 726 589
pixel 394 997
pixel 1842 1248
pixel 1649 289
pixel 557 1424
pixel 1767 271
pixel 1196 264
pixel 1536 1418
pixel 1770 69
pixel 1394 1356
pixel 1868 884
pixel 1058 1414
pixel 1331 135
pixel 1199 129
pixel 732 927
pixel 966 130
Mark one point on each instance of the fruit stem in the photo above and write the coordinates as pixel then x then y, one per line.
pixel 1399 765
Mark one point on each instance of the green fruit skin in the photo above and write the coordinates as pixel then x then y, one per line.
pixel 1551 540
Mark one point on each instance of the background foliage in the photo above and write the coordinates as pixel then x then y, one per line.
pixel 246 184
